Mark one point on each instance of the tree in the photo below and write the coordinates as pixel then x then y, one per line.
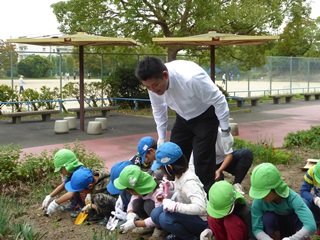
pixel 5 57
pixel 34 66
pixel 300 35
pixel 144 19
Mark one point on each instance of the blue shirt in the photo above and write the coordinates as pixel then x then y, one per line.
pixel 309 183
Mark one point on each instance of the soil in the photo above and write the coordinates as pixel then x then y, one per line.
pixel 61 225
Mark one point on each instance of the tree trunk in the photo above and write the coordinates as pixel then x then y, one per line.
pixel 172 53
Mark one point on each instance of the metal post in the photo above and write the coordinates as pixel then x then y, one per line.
pixel 290 74
pixel 81 85
pixel 60 69
pixel 11 65
pixel 212 63
pixel 101 78
pixel 249 93
pixel 308 74
pixel 270 74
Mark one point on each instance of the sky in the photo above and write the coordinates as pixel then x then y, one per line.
pixel 34 18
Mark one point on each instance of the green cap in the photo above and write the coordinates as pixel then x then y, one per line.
pixel 264 178
pixel 316 172
pixel 66 158
pixel 222 197
pixel 134 178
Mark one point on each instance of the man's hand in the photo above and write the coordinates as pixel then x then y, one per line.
pixel 46 201
pixel 128 226
pixel 317 201
pixel 169 205
pixel 227 141
pixel 52 208
pixel 160 141
pixel 206 234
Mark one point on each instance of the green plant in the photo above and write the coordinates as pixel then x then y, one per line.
pixel 304 138
pixel 5 215
pixel 9 163
pixel 26 231
pixel 264 151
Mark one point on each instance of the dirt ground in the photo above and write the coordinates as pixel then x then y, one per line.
pixel 61 226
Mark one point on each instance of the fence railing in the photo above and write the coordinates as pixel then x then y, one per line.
pixel 87 100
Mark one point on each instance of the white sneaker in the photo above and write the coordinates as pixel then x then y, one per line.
pixel 237 187
pixel 142 230
pixel 158 234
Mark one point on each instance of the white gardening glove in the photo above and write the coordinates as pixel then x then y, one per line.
pixel 119 204
pixel 86 208
pixel 160 141
pixel 169 205
pixel 128 226
pixel 286 238
pixel 227 141
pixel 131 215
pixel 317 201
pixel 46 201
pixel 119 214
pixel 206 234
pixel 52 208
pixel 88 198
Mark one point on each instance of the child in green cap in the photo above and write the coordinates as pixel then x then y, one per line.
pixel 184 215
pixel 145 197
pixel 312 181
pixel 65 162
pixel 277 211
pixel 229 217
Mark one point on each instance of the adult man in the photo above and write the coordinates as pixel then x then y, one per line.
pixel 21 83
pixel 187 89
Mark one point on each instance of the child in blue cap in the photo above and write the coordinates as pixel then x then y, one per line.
pixel 65 162
pixel 93 183
pixel 185 217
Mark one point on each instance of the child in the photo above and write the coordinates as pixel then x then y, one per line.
pixel 277 211
pixel 65 162
pixel 229 217
pixel 93 183
pixel 147 148
pixel 312 181
pixel 186 217
pixel 145 197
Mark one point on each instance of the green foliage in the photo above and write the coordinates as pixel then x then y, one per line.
pixel 26 231
pixel 264 152
pixel 18 171
pixel 304 138
pixel 9 163
pixel 6 93
pixel 5 216
pixel 34 66
pixel 123 83
pixel 143 20
pixel 6 50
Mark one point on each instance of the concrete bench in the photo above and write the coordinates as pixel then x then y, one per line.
pixel 240 100
pixel 16 116
pixel 287 97
pixel 307 96
pixel 104 110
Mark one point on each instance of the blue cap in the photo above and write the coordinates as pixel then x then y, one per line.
pixel 114 174
pixel 144 145
pixel 80 180
pixel 166 154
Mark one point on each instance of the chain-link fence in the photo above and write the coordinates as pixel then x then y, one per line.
pixel 279 75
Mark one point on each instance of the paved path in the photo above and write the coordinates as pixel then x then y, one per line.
pixel 265 122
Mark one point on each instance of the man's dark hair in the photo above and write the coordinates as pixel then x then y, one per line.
pixel 150 67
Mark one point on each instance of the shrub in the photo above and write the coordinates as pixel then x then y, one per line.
pixel 304 138
pixel 264 152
